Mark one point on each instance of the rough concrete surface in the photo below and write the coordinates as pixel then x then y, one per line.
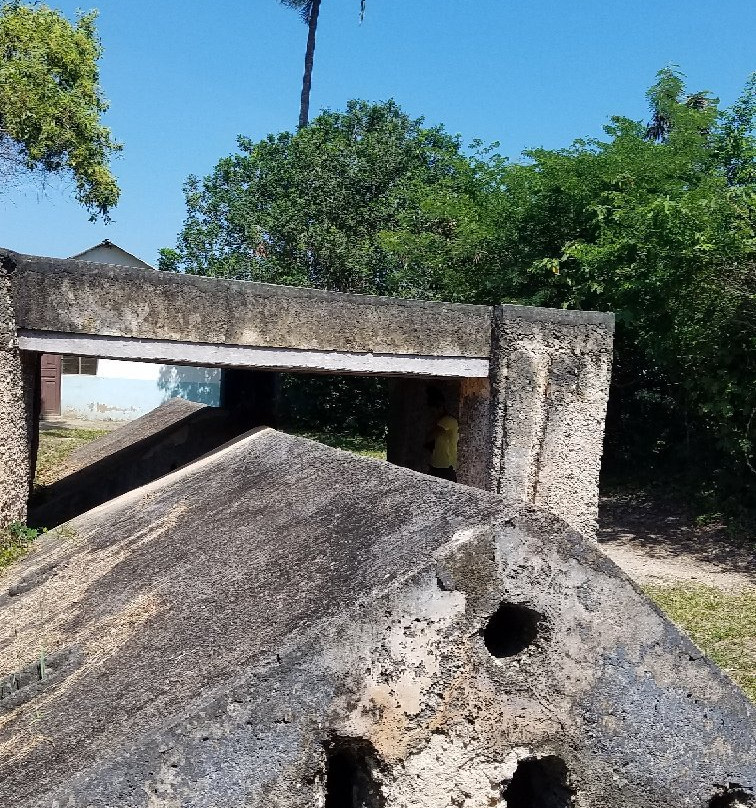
pixel 129 433
pixel 79 297
pixel 173 434
pixel 550 378
pixel 284 624
pixel 15 470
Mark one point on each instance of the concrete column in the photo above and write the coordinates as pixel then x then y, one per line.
pixel 475 450
pixel 550 373
pixel 17 399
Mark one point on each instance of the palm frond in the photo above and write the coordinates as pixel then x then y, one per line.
pixel 304 7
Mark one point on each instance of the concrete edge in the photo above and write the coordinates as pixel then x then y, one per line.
pixel 225 355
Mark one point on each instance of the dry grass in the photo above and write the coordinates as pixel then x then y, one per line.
pixel 55 445
pixel 722 624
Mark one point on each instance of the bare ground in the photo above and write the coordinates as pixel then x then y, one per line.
pixel 657 541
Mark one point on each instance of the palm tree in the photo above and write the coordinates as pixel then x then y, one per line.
pixel 309 11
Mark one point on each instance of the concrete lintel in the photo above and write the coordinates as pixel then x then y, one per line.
pixel 214 355
pixel 557 317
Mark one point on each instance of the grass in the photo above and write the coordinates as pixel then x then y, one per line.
pixel 368 447
pixel 55 446
pixel 15 540
pixel 722 624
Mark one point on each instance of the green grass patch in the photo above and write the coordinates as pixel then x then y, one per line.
pixel 55 445
pixel 722 624
pixel 368 447
pixel 15 540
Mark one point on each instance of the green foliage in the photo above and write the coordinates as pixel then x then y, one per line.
pixel 342 405
pixel 15 540
pixel 656 223
pixel 307 209
pixel 50 102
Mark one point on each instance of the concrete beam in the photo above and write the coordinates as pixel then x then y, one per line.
pixel 244 356
pixel 77 297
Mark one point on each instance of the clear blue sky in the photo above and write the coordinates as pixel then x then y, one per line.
pixel 184 79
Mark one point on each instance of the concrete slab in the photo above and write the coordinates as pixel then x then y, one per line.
pixel 173 434
pixel 284 624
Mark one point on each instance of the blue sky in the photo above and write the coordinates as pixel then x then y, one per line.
pixel 184 79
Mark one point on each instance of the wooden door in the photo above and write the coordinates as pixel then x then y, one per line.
pixel 50 384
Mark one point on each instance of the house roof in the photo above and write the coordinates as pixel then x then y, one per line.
pixel 121 257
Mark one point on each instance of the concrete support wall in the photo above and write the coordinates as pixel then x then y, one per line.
pixel 550 375
pixel 16 398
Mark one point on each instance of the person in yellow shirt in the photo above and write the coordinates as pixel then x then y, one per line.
pixel 442 438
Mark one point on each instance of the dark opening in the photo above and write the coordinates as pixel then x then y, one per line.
pixel 511 629
pixel 733 796
pixel 540 783
pixel 349 776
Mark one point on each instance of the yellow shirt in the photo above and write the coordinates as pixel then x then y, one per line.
pixel 445 447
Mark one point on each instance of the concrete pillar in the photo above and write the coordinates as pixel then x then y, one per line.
pixel 475 450
pixel 18 396
pixel 550 372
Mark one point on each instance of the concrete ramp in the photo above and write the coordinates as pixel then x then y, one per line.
pixel 285 624
pixel 173 434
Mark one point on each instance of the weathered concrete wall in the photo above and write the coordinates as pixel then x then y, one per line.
pixel 15 399
pixel 78 297
pixel 282 622
pixel 531 410
pixel 550 373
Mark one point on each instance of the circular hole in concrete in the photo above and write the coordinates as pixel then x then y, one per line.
pixel 511 629
pixel 540 783
pixel 733 796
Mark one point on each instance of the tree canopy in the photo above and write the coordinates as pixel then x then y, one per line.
pixel 51 103
pixel 654 221
pixel 309 208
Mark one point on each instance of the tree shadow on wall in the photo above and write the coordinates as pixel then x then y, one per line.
pixel 194 384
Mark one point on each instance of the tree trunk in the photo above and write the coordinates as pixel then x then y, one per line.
pixel 304 108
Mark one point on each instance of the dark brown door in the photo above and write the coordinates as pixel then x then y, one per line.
pixel 50 386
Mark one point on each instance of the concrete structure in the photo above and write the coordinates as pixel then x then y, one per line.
pixel 285 625
pixel 117 389
pixel 530 384
pixel 172 435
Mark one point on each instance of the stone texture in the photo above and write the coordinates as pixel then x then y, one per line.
pixel 550 373
pixel 15 465
pixel 281 621
pixel 79 297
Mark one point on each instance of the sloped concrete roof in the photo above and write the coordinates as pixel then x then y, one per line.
pixel 210 637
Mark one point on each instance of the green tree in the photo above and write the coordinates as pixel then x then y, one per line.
pixel 50 102
pixel 310 11
pixel 655 222
pixel 309 208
